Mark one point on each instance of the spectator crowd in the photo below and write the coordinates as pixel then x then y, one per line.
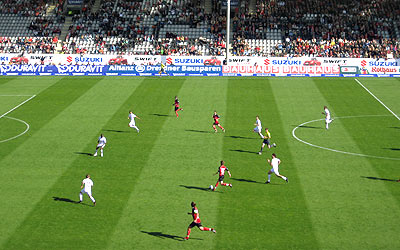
pixel 331 28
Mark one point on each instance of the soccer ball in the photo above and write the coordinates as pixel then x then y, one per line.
pixel 211 187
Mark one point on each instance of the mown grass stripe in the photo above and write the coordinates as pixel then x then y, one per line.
pixel 45 106
pixel 114 175
pixel 254 214
pixel 179 170
pixel 7 79
pixel 334 189
pixel 27 206
pixel 363 131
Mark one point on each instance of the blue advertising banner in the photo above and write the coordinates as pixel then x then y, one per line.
pixel 150 70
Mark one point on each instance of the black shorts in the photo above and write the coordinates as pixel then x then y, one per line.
pixel 221 178
pixel 194 224
pixel 216 123
pixel 266 141
pixel 176 108
pixel 162 70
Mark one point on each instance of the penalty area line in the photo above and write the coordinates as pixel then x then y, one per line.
pixel 376 98
pixel 19 105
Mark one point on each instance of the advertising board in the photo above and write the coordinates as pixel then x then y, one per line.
pixel 24 64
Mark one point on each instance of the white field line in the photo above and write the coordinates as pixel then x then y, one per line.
pixel 14 137
pixel 376 98
pixel 339 151
pixel 19 105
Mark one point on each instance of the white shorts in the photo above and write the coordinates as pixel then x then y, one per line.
pixel 275 170
pixel 132 124
pixel 84 192
pixel 100 146
pixel 257 129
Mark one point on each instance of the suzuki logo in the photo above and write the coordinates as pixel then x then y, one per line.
pixel 69 59
pixel 169 60
pixel 266 61
pixel 363 63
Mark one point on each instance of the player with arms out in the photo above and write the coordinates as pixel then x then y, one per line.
pixel 162 69
pixel 274 162
pixel 101 143
pixel 258 128
pixel 221 172
pixel 327 117
pixel 196 221
pixel 176 104
pixel 267 141
pixel 86 188
pixel 132 123
pixel 216 122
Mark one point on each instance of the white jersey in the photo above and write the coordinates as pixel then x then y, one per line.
pixel 88 183
pixel 275 162
pixel 102 141
pixel 327 113
pixel 258 123
pixel 132 117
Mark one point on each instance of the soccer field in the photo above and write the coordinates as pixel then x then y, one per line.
pixel 342 191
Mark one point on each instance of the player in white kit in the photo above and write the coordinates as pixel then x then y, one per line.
pixel 86 188
pixel 327 117
pixel 132 117
pixel 101 143
pixel 274 162
pixel 258 128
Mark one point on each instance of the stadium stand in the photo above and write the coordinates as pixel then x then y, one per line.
pixel 333 28
pixel 321 28
pixel 173 27
pixel 25 26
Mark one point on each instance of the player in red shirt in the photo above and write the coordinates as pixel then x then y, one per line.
pixel 196 221
pixel 176 104
pixel 216 122
pixel 221 172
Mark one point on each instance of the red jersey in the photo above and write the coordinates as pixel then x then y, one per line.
pixel 216 118
pixel 176 103
pixel 222 170
pixel 195 214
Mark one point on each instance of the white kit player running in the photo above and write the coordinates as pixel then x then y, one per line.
pixel 327 117
pixel 86 188
pixel 132 117
pixel 274 162
pixel 101 143
pixel 258 128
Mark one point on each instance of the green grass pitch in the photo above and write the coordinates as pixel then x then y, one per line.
pixel 145 182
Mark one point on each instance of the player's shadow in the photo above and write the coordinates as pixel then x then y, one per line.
pixel 198 188
pixel 193 187
pixel 377 178
pixel 395 127
pixel 243 151
pixel 64 200
pixel 160 115
pixel 83 153
pixel 198 131
pixel 115 130
pixel 305 126
pixel 68 200
pixel 240 137
pixel 396 149
pixel 167 236
pixel 246 180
